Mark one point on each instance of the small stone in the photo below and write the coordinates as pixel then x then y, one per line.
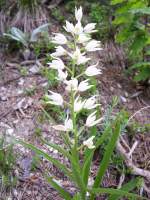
pixel 35 69
pixel 10 131
pixel 123 99
pixel 21 81
pixel 44 84
pixel 20 92
pixel 130 106
pixel 119 86
pixel 3 98
pixel 111 89
pixel 126 94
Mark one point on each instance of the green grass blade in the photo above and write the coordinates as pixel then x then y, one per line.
pixel 57 147
pixel 87 160
pixel 107 155
pixel 89 153
pixel 78 177
pixel 86 165
pixel 63 193
pixel 115 192
pixel 126 187
pixel 56 162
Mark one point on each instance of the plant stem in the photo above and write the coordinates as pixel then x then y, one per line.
pixel 75 152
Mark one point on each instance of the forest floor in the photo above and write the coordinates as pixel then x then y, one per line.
pixel 21 115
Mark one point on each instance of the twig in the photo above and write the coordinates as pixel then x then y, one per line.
pixel 130 164
pixel 144 108
pixel 29 62
pixel 132 149
pixel 122 177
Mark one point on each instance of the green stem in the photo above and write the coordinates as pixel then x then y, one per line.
pixel 75 151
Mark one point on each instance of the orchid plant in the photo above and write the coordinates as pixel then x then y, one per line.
pixel 74 49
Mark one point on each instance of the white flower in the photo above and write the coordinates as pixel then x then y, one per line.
pixel 69 27
pixel 78 13
pixel 89 143
pixel 57 64
pixel 93 45
pixel 89 28
pixel 78 29
pixel 55 98
pixel 72 84
pixel 79 57
pixel 90 181
pixel 60 51
pixel 92 70
pixel 83 86
pixel 91 120
pixel 62 75
pixel 59 38
pixel 68 126
pixel 78 105
pixel 90 103
pixel 82 38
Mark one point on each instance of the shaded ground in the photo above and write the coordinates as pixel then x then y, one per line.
pixel 21 116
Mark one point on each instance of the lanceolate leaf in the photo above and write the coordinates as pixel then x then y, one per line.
pixel 64 194
pixel 116 192
pixel 114 2
pixel 87 160
pixel 57 147
pixel 143 11
pixel 107 155
pixel 40 29
pixel 56 162
pixel 17 35
pixel 126 187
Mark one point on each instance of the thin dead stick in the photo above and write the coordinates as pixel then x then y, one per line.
pixel 121 180
pixel 135 170
pixel 133 148
pixel 144 108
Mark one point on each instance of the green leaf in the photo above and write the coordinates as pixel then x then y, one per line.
pixel 126 187
pixel 143 74
pixel 78 177
pixel 107 155
pixel 61 191
pixel 115 192
pixel 57 147
pixel 114 2
pixel 124 34
pixel 140 64
pixel 17 35
pixel 56 162
pixel 40 29
pixel 143 11
pixel 139 42
pixel 87 165
pixel 88 159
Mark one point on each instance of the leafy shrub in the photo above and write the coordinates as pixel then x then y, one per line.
pixel 102 13
pixel 131 19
